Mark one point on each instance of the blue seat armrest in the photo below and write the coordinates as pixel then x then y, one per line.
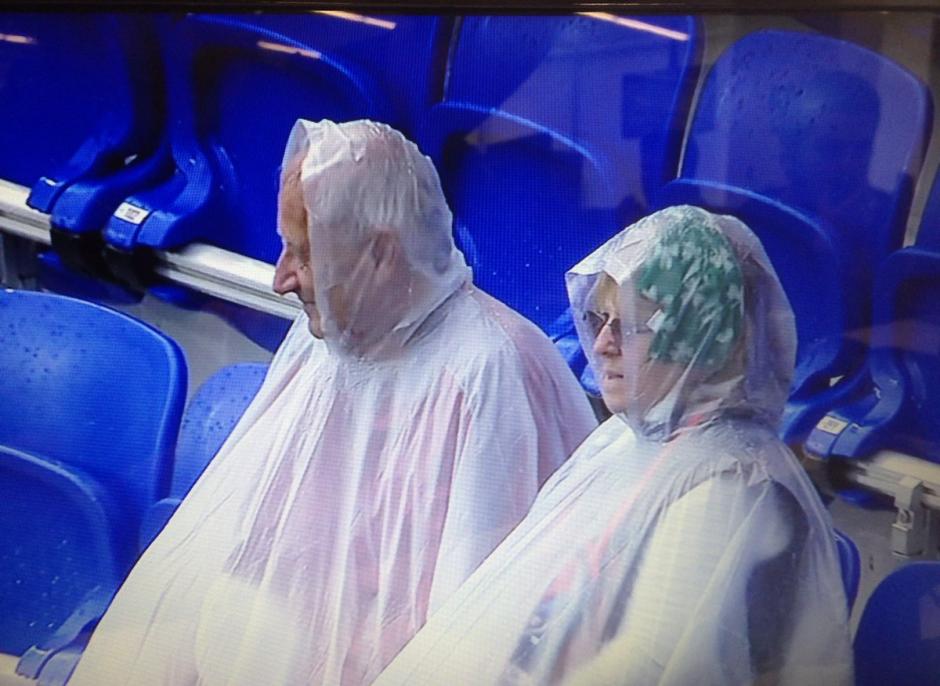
pixel 60 666
pixel 73 633
pixel 862 428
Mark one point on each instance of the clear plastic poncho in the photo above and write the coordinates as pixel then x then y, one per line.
pixel 688 549
pixel 374 470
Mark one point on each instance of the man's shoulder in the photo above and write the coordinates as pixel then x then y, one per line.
pixel 498 328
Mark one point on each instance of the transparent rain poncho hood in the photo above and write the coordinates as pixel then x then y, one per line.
pixel 693 266
pixel 368 190
pixel 691 550
pixel 374 470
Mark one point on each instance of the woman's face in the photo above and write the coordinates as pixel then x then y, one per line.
pixel 629 380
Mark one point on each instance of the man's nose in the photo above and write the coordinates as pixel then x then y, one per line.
pixel 285 278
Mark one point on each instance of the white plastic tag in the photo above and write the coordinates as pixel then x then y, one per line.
pixel 831 425
pixel 131 213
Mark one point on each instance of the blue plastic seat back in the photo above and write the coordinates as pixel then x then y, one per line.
pixel 905 362
pixel 56 545
pixel 64 84
pixel 211 415
pixel 897 406
pixel 550 134
pixel 238 83
pixel 928 234
pixel 93 389
pixel 898 637
pixel 850 566
pixel 910 299
pixel 823 126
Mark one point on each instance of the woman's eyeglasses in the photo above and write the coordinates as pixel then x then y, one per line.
pixel 596 321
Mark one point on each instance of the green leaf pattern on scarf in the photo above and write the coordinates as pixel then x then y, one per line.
pixel 692 273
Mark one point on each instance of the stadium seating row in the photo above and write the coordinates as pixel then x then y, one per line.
pixel 550 133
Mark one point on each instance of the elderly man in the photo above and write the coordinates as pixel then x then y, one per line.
pixel 403 430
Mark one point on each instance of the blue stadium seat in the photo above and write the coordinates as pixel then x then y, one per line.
pixel 897 406
pixel 850 566
pixel 90 407
pixel 69 97
pixel 820 161
pixel 236 84
pixel 94 390
pixel 211 415
pixel 82 120
pixel 898 637
pixel 88 94
pixel 551 133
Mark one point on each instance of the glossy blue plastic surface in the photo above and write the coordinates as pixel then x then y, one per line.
pixel 898 637
pixel 236 84
pixel 550 135
pixel 850 566
pixel 897 404
pixel 95 390
pixel 66 76
pixel 52 659
pixel 834 134
pixel 59 541
pixel 211 415
pixel 91 104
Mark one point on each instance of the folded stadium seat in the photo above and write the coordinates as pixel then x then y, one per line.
pixel 90 407
pixel 850 565
pixel 69 97
pixel 235 85
pixel 80 126
pixel 898 637
pixel 550 135
pixel 815 143
pixel 211 415
pixel 898 405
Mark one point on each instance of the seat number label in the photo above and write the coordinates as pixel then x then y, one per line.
pixel 831 425
pixel 131 213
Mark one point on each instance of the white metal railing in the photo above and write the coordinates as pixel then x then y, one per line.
pixel 914 485
pixel 205 268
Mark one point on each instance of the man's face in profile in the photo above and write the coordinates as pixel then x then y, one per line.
pixel 294 272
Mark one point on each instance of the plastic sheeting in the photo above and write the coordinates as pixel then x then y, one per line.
pixel 688 549
pixel 374 470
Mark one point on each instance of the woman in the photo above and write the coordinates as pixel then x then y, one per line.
pixel 681 543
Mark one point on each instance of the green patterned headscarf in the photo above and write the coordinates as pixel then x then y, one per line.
pixel 692 273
